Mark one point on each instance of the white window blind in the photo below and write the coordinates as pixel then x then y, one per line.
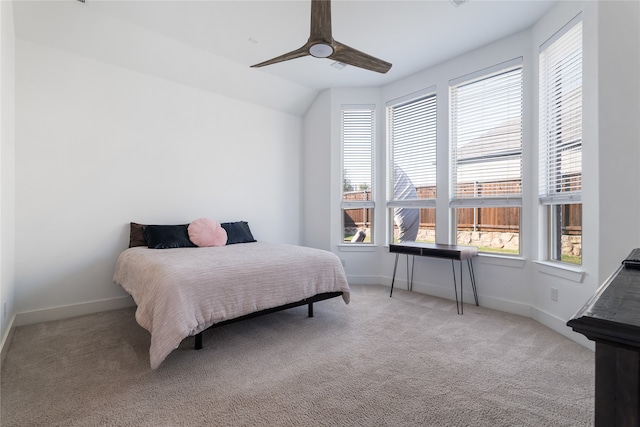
pixel 486 137
pixel 412 143
pixel 561 116
pixel 357 154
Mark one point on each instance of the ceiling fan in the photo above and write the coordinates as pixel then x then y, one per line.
pixel 321 44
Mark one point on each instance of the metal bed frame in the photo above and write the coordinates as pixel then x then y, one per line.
pixel 307 301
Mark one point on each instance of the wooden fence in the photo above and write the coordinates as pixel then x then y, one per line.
pixel 360 217
pixel 503 219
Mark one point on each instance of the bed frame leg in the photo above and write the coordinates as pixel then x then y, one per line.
pixel 198 345
pixel 310 309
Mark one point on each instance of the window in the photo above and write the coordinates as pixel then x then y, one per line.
pixel 561 141
pixel 357 174
pixel 486 158
pixel 411 123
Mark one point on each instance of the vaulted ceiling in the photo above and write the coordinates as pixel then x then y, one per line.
pixel 214 34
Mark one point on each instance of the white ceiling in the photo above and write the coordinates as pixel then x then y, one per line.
pixel 210 44
pixel 412 35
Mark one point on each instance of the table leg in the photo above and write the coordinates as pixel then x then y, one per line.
pixel 461 291
pixel 395 266
pixel 473 279
pixel 410 276
pixel 455 285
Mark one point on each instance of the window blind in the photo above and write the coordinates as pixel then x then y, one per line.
pixel 486 138
pixel 561 116
pixel 357 154
pixel 412 143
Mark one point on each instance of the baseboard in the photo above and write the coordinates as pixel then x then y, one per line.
pixel 447 293
pixel 6 340
pixel 485 301
pixel 552 322
pixel 363 280
pixel 68 311
pixel 506 306
pixel 560 326
pixel 73 310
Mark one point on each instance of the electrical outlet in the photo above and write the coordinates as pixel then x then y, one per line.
pixel 554 294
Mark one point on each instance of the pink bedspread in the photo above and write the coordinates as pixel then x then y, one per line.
pixel 180 292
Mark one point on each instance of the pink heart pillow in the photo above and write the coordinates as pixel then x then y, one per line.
pixel 207 232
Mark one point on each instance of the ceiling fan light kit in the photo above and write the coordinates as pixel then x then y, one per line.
pixel 321 50
pixel 321 44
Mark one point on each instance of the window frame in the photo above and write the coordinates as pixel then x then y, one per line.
pixel 429 99
pixel 564 68
pixel 502 73
pixel 369 204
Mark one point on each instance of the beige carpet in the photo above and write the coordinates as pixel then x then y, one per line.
pixel 409 360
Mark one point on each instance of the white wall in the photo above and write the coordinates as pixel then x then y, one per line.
pixel 611 149
pixel 316 157
pixel 618 130
pixel 7 171
pixel 359 261
pixel 87 29
pixel 611 152
pixel 503 282
pixel 574 288
pixel 98 146
pixel 323 169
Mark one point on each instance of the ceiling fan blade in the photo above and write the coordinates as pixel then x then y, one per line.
pixel 350 56
pixel 322 45
pixel 321 21
pixel 298 53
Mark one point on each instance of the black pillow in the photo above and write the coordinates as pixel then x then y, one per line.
pixel 238 232
pixel 167 236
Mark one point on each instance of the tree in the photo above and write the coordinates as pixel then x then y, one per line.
pixel 346 183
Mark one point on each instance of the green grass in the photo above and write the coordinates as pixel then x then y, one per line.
pixel 489 249
pixel 569 259
pixel 572 259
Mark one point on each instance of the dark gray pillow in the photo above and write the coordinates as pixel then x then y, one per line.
pixel 238 232
pixel 136 235
pixel 167 236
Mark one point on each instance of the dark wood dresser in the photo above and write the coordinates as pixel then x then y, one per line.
pixel 611 318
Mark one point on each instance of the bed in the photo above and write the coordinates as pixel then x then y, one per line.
pixel 182 291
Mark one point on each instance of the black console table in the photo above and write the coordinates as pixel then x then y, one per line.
pixel 611 318
pixel 436 250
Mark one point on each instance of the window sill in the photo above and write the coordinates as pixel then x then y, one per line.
pixel 503 260
pixel 575 274
pixel 354 247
